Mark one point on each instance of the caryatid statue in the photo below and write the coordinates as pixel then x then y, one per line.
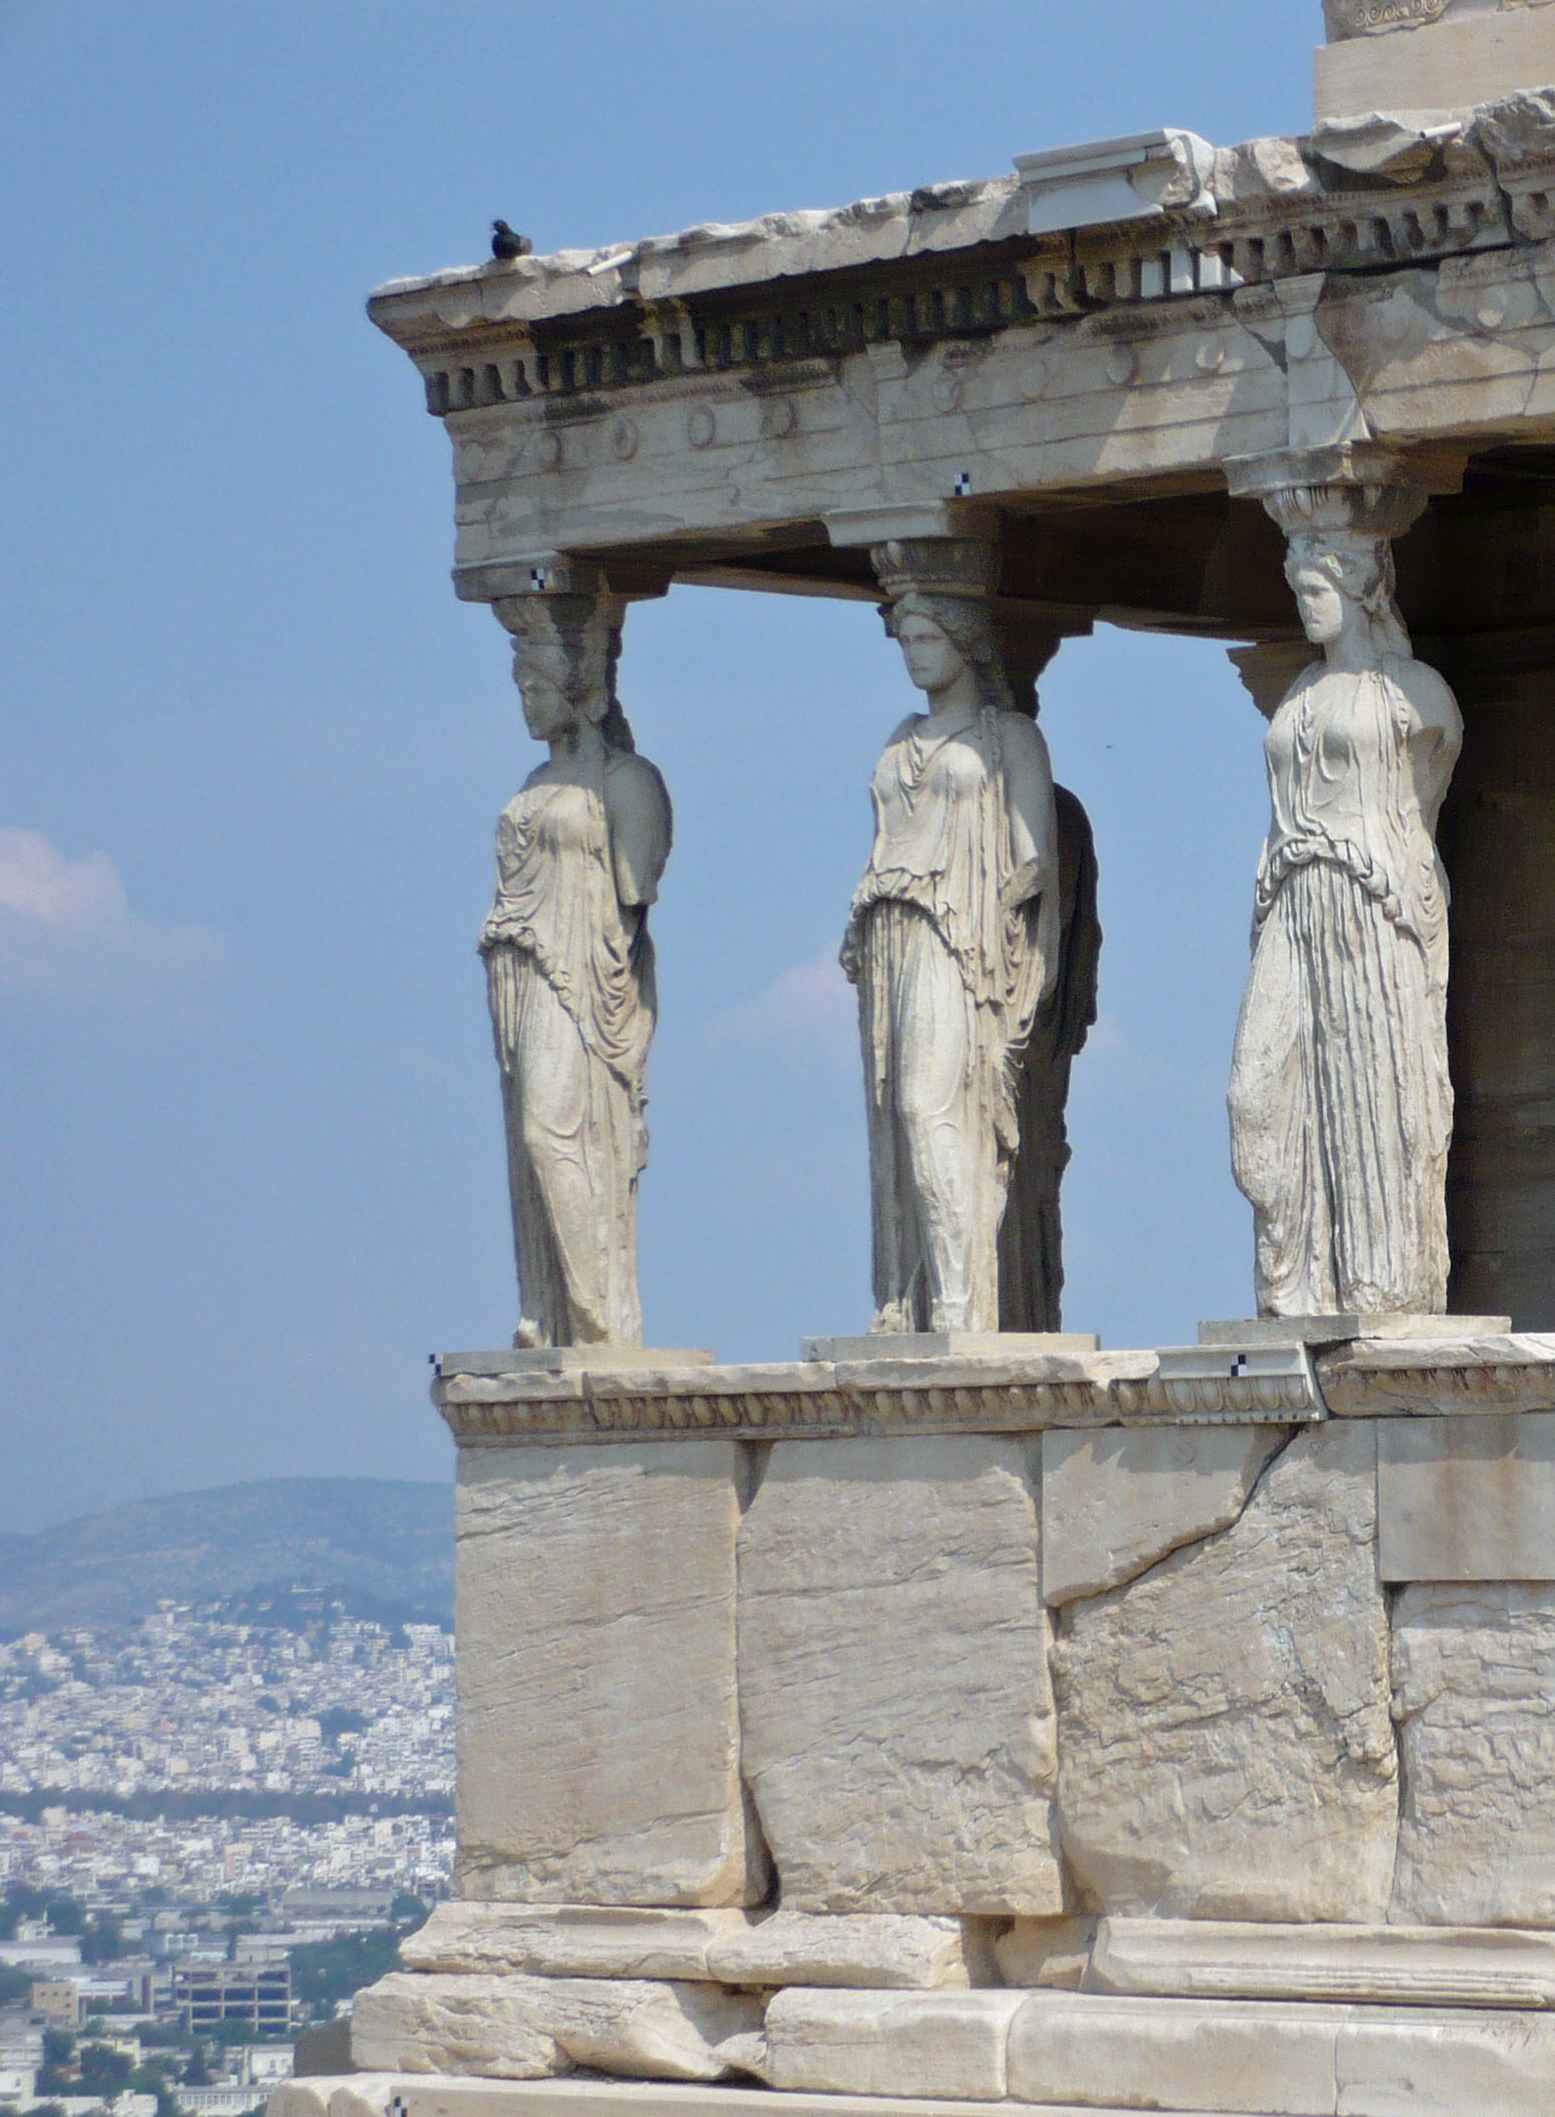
pixel 569 975
pixel 1341 1101
pixel 953 944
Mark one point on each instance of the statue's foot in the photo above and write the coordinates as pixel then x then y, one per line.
pixel 892 1317
pixel 529 1337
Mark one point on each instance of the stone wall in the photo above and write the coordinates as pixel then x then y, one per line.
pixel 1094 1766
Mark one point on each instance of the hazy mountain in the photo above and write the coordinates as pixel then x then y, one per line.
pixel 383 1545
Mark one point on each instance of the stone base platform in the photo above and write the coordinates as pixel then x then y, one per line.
pixel 850 2053
pixel 678 2012
pixel 1169 1729
pixel 420 2095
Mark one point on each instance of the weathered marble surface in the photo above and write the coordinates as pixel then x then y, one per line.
pixel 434 2095
pixel 1227 1750
pixel 595 1596
pixel 1438 59
pixel 878 1951
pixel 962 1394
pixel 895 1707
pixel 1467 1499
pixel 1340 1099
pixel 1046 1952
pixel 1388 1965
pixel 952 942
pixel 1114 1503
pixel 525 2028
pixel 569 1940
pixel 873 1950
pixel 1474 1677
pixel 1495 1375
pixel 889 2043
pixel 570 973
pixel 1288 2061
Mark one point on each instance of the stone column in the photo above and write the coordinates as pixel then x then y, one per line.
pixel 1498 842
pixel 935 562
pixel 1341 1097
pixel 569 965
pixel 1031 1240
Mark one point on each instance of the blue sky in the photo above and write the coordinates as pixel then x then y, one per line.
pixel 250 1143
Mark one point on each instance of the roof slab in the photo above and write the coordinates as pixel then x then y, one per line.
pixel 1083 347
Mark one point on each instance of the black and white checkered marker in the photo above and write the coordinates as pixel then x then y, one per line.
pixel 1239 1365
pixel 536 581
pixel 398 2107
pixel 963 485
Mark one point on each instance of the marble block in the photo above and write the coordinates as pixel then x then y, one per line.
pixel 439 2095
pixel 571 1359
pixel 1467 1499
pixel 1441 1966
pixel 950 1345
pixel 1227 1748
pixel 598 1727
pixel 570 1940
pixel 1279 2059
pixel 1437 66
pixel 896 1712
pixel 890 2043
pixel 1335 1330
pixel 1474 1691
pixel 1041 1952
pixel 526 2028
pixel 1117 1500
pixel 880 1951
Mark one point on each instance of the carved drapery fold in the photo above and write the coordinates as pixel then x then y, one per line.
pixel 569 966
pixel 1341 1099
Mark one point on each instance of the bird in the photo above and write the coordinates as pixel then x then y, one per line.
pixel 506 242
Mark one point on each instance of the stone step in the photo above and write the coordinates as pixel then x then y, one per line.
pixel 432 2095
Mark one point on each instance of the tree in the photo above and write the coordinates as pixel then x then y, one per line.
pixel 104 2071
pixel 197 2074
pixel 103 1940
pixel 14 1984
pixel 160 2035
pixel 59 2047
pixel 338 1720
pixel 408 1910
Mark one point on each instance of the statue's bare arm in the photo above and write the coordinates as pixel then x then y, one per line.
pixel 1033 816
pixel 641 829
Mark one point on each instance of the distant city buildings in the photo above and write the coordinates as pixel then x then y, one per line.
pixel 213 1797
pixel 344 1715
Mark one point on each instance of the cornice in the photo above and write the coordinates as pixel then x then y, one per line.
pixel 960 261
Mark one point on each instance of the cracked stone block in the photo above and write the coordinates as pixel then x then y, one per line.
pixel 1474 1691
pixel 941 2044
pixel 1228 1751
pixel 532 2028
pixel 598 1724
pixel 897 1715
pixel 1117 1501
